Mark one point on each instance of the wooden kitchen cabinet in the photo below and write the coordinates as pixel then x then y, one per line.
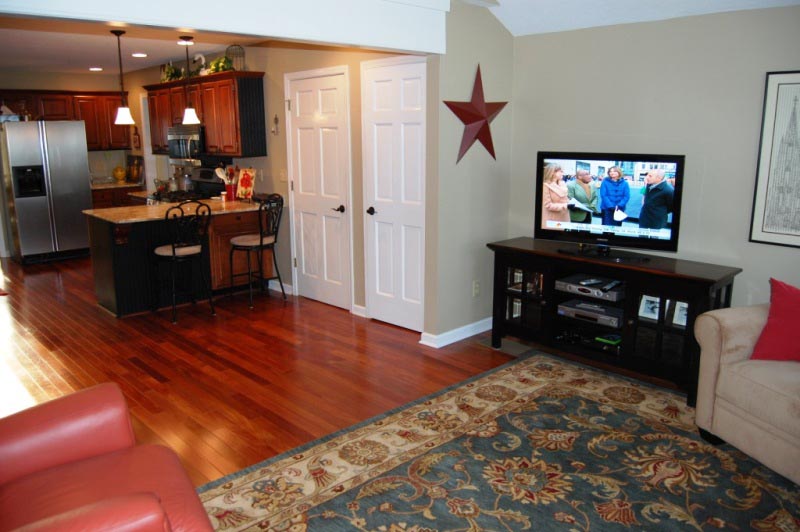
pixel 98 113
pixel 222 229
pixel 97 109
pixel 103 198
pixel 158 102
pixel 230 106
pixel 39 104
pixel 56 106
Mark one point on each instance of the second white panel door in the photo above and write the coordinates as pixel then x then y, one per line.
pixel 393 116
pixel 320 173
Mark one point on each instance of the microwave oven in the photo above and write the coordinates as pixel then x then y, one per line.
pixel 186 144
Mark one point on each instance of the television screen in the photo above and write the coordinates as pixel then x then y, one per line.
pixel 609 199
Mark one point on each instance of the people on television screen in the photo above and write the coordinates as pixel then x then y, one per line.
pixel 657 201
pixel 554 196
pixel 614 194
pixel 582 190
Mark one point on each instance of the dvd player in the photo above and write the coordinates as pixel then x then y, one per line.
pixel 600 314
pixel 591 286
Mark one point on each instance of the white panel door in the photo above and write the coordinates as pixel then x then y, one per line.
pixel 393 115
pixel 319 167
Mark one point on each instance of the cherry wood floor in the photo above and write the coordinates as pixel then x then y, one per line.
pixel 224 392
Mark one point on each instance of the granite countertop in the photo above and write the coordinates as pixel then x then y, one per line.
pixel 148 213
pixel 115 184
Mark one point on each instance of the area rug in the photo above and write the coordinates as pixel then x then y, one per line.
pixel 538 444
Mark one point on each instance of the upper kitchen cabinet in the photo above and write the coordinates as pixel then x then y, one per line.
pixel 158 103
pixel 97 109
pixel 98 112
pixel 39 104
pixel 230 106
pixel 54 106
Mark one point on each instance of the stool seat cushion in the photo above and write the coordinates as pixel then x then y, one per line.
pixel 180 251
pixel 251 240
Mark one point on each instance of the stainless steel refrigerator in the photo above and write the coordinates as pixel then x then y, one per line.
pixel 46 187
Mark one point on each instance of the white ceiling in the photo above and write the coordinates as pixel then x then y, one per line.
pixel 528 17
pixel 37 45
pixel 65 46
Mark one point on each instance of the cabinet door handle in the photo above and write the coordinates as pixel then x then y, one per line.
pixel 340 208
pixel 371 211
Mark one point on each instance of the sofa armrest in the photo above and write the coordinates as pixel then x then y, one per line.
pixel 138 512
pixel 725 336
pixel 80 425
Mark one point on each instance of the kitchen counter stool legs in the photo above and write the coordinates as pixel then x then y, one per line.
pixel 269 220
pixel 188 224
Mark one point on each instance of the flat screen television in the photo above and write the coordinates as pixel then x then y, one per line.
pixel 624 200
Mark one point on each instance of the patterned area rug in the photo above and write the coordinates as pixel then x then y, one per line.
pixel 538 444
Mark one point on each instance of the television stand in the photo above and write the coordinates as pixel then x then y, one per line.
pixel 636 315
pixel 604 252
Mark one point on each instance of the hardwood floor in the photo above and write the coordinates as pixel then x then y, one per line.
pixel 224 392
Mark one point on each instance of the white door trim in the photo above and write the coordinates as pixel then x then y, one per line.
pixel 287 79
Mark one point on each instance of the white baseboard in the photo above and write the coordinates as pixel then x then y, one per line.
pixel 455 335
pixel 274 285
pixel 359 311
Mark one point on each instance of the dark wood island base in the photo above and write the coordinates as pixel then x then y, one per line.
pixel 122 241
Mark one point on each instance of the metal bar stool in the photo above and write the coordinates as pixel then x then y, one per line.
pixel 187 224
pixel 269 221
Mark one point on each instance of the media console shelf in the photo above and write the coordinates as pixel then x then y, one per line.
pixel 643 321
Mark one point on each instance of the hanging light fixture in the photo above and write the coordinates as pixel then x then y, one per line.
pixel 189 114
pixel 124 117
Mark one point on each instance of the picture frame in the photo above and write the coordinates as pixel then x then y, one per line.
pixel 776 213
pixel 680 314
pixel 648 307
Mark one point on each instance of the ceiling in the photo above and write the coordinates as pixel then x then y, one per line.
pixel 68 46
pixel 32 45
pixel 528 17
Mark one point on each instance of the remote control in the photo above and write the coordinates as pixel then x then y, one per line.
pixel 589 282
pixel 608 286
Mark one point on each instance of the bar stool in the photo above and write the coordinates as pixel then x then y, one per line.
pixel 269 221
pixel 187 224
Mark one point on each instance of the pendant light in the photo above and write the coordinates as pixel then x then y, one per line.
pixel 124 117
pixel 189 114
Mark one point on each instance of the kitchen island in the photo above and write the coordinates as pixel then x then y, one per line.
pixel 122 240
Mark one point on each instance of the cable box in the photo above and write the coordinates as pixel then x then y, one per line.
pixel 591 312
pixel 592 286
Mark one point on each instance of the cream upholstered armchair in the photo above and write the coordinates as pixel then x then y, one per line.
pixel 752 404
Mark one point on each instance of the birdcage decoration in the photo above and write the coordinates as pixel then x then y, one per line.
pixel 235 53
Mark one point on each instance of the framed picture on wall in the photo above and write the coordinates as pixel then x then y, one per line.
pixel 776 202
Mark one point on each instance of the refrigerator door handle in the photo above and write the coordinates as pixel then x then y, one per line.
pixel 48 183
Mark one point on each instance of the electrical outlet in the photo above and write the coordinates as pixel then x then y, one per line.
pixel 476 288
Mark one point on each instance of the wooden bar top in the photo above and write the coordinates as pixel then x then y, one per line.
pixel 149 213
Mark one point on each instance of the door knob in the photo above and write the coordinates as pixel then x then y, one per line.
pixel 340 208
pixel 371 211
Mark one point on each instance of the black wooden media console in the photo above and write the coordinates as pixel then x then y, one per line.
pixel 634 311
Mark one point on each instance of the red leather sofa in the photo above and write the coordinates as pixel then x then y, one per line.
pixel 73 464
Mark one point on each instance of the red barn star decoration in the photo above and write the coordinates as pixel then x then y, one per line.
pixel 476 115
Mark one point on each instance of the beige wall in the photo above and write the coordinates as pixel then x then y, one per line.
pixel 470 204
pixel 690 86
